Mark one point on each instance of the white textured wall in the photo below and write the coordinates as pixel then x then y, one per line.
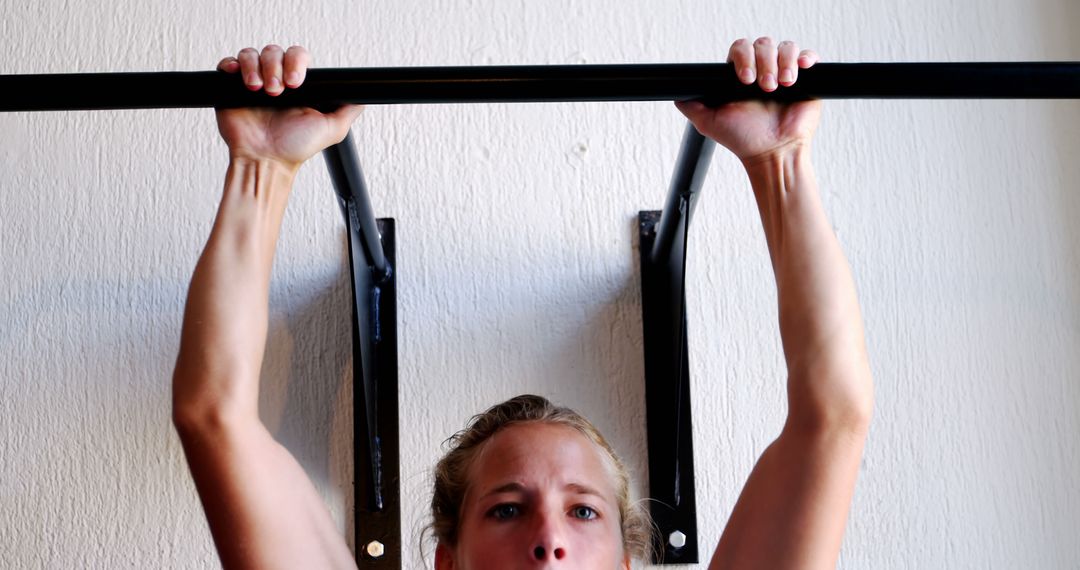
pixel 517 269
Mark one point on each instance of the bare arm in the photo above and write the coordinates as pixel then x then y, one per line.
pixel 263 510
pixel 793 509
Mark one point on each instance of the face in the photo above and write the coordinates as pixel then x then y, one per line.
pixel 541 496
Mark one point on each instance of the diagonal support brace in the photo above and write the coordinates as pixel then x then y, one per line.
pixel 662 244
pixel 374 319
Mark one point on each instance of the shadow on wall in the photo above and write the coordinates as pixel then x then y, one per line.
pixel 610 347
pixel 607 355
pixel 306 386
pixel 1062 118
pixel 1067 131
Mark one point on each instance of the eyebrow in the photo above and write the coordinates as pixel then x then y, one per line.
pixel 515 487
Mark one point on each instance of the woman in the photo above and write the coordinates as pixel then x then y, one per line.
pixel 527 484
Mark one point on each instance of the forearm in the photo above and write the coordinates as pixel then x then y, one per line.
pixel 262 509
pixel 225 320
pixel 820 322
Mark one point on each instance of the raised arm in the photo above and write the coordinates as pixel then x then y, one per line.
pixel 262 509
pixel 793 509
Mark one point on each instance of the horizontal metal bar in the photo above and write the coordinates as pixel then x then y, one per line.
pixel 639 82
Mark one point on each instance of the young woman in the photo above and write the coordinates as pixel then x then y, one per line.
pixel 527 484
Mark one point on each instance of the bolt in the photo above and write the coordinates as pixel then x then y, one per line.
pixel 375 549
pixel 677 539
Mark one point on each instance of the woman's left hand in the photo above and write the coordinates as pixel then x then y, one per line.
pixel 754 130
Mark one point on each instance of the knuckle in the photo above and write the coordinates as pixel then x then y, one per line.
pixel 296 55
pixel 248 52
pixel 763 41
pixel 271 49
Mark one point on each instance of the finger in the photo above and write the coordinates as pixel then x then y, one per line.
pixel 249 68
pixel 270 62
pixel 789 67
pixel 297 61
pixel 229 65
pixel 807 58
pixel 741 55
pixel 765 52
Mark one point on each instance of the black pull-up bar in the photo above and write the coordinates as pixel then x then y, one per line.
pixel 510 84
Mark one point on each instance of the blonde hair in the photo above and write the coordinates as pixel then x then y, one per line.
pixel 451 472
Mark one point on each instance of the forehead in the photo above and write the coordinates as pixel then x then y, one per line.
pixel 538 454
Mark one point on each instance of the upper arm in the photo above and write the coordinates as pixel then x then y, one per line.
pixel 794 506
pixel 262 509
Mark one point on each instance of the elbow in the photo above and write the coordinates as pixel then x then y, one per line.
pixel 832 405
pixel 854 417
pixel 200 409
pixel 852 425
pixel 191 420
pixel 213 422
pixel 187 418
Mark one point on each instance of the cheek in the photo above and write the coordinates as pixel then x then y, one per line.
pixel 490 547
pixel 600 544
pixel 497 547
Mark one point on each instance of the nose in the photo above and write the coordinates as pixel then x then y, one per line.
pixel 549 544
pixel 541 553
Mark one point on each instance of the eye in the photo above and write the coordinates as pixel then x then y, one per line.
pixel 504 511
pixel 584 512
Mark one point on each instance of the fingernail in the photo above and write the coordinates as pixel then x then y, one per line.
pixel 253 79
pixel 787 76
pixel 292 78
pixel 273 84
pixel 747 75
pixel 769 81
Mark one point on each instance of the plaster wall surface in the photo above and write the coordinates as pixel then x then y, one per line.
pixel 517 269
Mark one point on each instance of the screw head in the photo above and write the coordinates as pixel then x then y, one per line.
pixel 375 549
pixel 677 539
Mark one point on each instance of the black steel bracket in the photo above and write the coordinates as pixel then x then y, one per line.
pixel 375 370
pixel 662 244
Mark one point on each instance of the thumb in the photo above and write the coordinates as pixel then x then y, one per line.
pixel 342 118
pixel 347 113
pixel 692 109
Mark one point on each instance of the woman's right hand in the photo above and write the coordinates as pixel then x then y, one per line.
pixel 289 136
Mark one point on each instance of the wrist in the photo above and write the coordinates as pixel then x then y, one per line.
pixel 785 170
pixel 277 169
pixel 792 154
pixel 260 180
